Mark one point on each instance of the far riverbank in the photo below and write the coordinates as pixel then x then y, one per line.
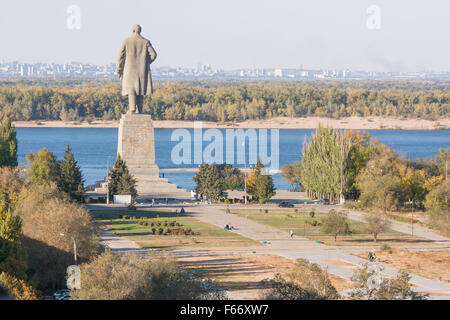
pixel 355 123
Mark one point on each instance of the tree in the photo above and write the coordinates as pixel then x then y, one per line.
pixel 438 206
pixel 260 185
pixel 12 180
pixel 307 282
pixel 43 167
pixel 443 161
pixel 208 182
pixel 121 181
pixel 49 253
pixel 380 183
pixel 361 150
pixel 324 163
pixel 8 143
pixel 232 178
pixel 291 173
pixel 376 224
pixel 335 224
pixel 12 254
pixel 70 180
pixel 18 289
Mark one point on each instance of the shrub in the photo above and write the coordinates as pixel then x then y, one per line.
pixel 126 282
pixel 307 282
pixel 312 213
pixel 398 288
pixel 18 289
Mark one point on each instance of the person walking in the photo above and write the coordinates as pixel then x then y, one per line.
pixel 291 233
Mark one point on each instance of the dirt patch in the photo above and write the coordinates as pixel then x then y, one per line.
pixel 433 264
pixel 168 242
pixel 243 274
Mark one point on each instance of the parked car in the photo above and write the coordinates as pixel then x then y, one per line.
pixel 324 201
pixel 285 204
pixel 64 297
pixel 61 294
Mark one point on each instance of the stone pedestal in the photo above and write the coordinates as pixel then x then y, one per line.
pixel 136 146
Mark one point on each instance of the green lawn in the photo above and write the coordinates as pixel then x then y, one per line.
pixel 300 223
pixel 204 234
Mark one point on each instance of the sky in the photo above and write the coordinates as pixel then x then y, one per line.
pixel 413 35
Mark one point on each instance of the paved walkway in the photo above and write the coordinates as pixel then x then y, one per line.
pixel 278 242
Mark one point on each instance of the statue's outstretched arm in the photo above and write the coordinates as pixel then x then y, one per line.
pixel 121 60
pixel 151 52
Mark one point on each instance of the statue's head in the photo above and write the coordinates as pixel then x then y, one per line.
pixel 137 29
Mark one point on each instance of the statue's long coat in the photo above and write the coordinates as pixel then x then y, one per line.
pixel 135 57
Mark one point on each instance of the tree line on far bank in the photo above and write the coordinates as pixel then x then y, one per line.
pixel 226 101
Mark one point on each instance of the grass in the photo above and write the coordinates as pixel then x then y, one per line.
pixel 300 224
pixel 205 234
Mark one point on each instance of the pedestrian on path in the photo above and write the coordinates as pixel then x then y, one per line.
pixel 291 233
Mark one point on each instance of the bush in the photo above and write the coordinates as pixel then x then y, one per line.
pixel 126 282
pixel 398 288
pixel 307 282
pixel 312 213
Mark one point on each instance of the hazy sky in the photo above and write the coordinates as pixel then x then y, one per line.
pixel 413 36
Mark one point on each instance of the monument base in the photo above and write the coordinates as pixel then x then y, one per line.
pixel 136 146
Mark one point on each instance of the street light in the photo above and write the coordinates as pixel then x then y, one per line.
pixel 74 245
pixel 107 180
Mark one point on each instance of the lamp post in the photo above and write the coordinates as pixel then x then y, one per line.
pixel 245 185
pixel 107 180
pixel 245 171
pixel 74 246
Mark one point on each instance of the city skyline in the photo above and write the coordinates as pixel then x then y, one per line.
pixel 78 69
pixel 405 36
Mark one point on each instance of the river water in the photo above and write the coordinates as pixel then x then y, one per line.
pixel 93 147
